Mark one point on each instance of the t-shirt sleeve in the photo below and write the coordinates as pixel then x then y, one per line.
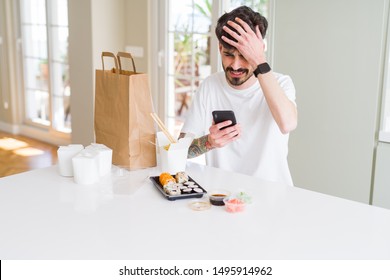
pixel 195 119
pixel 288 87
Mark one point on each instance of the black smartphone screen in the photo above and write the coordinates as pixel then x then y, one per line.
pixel 224 115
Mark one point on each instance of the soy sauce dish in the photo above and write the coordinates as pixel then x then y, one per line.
pixel 217 196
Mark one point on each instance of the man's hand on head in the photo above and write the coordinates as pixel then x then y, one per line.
pixel 249 43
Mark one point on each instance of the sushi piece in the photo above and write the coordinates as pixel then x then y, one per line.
pixel 187 190
pixel 181 177
pixel 172 189
pixel 174 192
pixel 198 190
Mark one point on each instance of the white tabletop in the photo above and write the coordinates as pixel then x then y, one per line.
pixel 46 216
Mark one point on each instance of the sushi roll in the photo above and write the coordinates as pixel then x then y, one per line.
pixel 166 179
pixel 181 177
pixel 198 190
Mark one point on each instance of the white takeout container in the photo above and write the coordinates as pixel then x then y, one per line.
pixel 104 155
pixel 86 167
pixel 174 159
pixel 65 155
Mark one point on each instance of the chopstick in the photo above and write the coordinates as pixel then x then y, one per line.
pixel 162 127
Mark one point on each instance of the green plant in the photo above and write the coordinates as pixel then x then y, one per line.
pixel 185 44
pixel 205 9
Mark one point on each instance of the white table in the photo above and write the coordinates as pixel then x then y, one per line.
pixel 46 216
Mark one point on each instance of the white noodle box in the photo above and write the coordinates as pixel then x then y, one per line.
pixel 174 159
pixel 65 155
pixel 86 167
pixel 104 155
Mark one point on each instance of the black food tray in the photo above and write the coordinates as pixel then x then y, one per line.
pixel 193 194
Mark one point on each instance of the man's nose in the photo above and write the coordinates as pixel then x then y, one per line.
pixel 236 63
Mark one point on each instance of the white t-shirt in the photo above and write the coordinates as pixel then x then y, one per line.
pixel 262 149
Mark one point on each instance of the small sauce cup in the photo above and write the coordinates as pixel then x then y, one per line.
pixel 217 196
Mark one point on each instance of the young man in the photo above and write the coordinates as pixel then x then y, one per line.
pixel 263 102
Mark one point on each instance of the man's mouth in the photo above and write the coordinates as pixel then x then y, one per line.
pixel 236 73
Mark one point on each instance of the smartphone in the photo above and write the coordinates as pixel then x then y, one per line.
pixel 224 115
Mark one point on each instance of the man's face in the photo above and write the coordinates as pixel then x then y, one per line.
pixel 237 69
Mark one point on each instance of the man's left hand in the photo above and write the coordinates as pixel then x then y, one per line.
pixel 249 44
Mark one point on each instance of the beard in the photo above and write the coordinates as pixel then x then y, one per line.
pixel 236 81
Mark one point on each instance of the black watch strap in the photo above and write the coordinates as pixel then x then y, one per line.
pixel 262 69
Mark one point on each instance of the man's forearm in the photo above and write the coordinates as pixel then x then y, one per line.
pixel 198 146
pixel 282 109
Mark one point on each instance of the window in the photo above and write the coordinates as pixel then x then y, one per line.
pixel 191 49
pixel 44 30
pixel 188 62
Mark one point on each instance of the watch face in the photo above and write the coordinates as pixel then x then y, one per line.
pixel 264 68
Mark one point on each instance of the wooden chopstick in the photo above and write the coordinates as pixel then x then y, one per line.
pixel 162 127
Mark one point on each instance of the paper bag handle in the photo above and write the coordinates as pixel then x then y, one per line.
pixel 110 54
pixel 126 55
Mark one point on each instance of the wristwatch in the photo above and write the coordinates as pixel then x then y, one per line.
pixel 262 69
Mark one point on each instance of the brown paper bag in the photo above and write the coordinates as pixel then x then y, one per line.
pixel 122 115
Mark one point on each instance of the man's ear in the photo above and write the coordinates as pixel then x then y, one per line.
pixel 220 47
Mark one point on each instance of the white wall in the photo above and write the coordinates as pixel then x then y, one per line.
pixel 137 24
pixel 109 26
pixel 94 26
pixel 334 52
pixel 81 70
pixel 381 195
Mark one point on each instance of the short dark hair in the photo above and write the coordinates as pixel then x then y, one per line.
pixel 245 13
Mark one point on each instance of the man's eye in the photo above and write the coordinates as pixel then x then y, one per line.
pixel 228 54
